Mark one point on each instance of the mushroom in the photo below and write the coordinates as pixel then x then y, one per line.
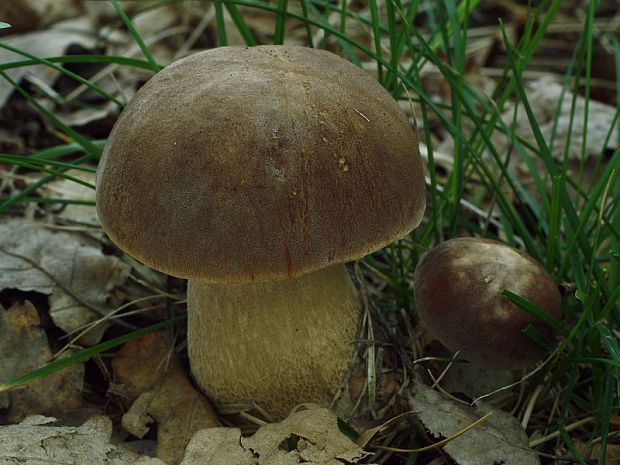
pixel 458 294
pixel 257 173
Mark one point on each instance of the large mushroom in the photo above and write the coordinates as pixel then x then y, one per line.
pixel 257 173
pixel 458 292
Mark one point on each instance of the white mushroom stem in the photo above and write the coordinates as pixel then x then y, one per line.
pixel 273 344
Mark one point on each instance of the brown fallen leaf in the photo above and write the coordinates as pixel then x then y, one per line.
pixel 500 439
pixel 593 452
pixel 218 446
pixel 24 347
pixel 310 435
pixel 68 267
pixel 151 378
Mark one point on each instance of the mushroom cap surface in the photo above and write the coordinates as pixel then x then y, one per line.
pixel 255 164
pixel 458 287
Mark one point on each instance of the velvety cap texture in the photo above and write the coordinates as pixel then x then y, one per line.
pixel 458 292
pixel 251 164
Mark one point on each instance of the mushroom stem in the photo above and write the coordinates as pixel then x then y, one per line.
pixel 274 344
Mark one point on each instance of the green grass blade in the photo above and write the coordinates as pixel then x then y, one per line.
pixel 30 162
pixel 535 311
pixel 376 35
pixel 136 36
pixel 344 12
pixel 278 38
pixel 109 59
pixel 64 71
pixel 50 200
pixel 610 342
pixel 587 34
pixel 554 222
pixel 571 446
pixel 220 24
pixel 606 408
pixel 306 21
pixel 39 165
pixel 26 191
pixel 392 10
pixel 241 25
pixel 71 133
pixel 66 149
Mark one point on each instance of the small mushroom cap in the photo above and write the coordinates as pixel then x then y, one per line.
pixel 458 289
pixel 255 164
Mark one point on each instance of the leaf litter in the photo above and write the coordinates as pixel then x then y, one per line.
pixel 309 435
pixel 500 439
pixel 154 386
pixel 24 346
pixel 68 267
pixel 35 442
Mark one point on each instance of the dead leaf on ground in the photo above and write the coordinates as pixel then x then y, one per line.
pixel 500 439
pixel 152 380
pixel 593 452
pixel 67 266
pixel 24 347
pixel 545 96
pixel 309 436
pixel 45 43
pixel 66 189
pixel 34 442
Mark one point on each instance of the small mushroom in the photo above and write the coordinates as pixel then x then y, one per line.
pixel 458 288
pixel 257 173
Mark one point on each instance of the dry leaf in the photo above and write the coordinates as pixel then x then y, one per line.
pixel 544 97
pixel 67 266
pixel 155 381
pixel 218 446
pixel 47 43
pixel 33 442
pixel 139 365
pixel 153 21
pixel 24 347
pixel 308 436
pixel 66 189
pixel 144 460
pixel 593 452
pixel 500 439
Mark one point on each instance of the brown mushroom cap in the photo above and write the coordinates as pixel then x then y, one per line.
pixel 263 163
pixel 458 289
